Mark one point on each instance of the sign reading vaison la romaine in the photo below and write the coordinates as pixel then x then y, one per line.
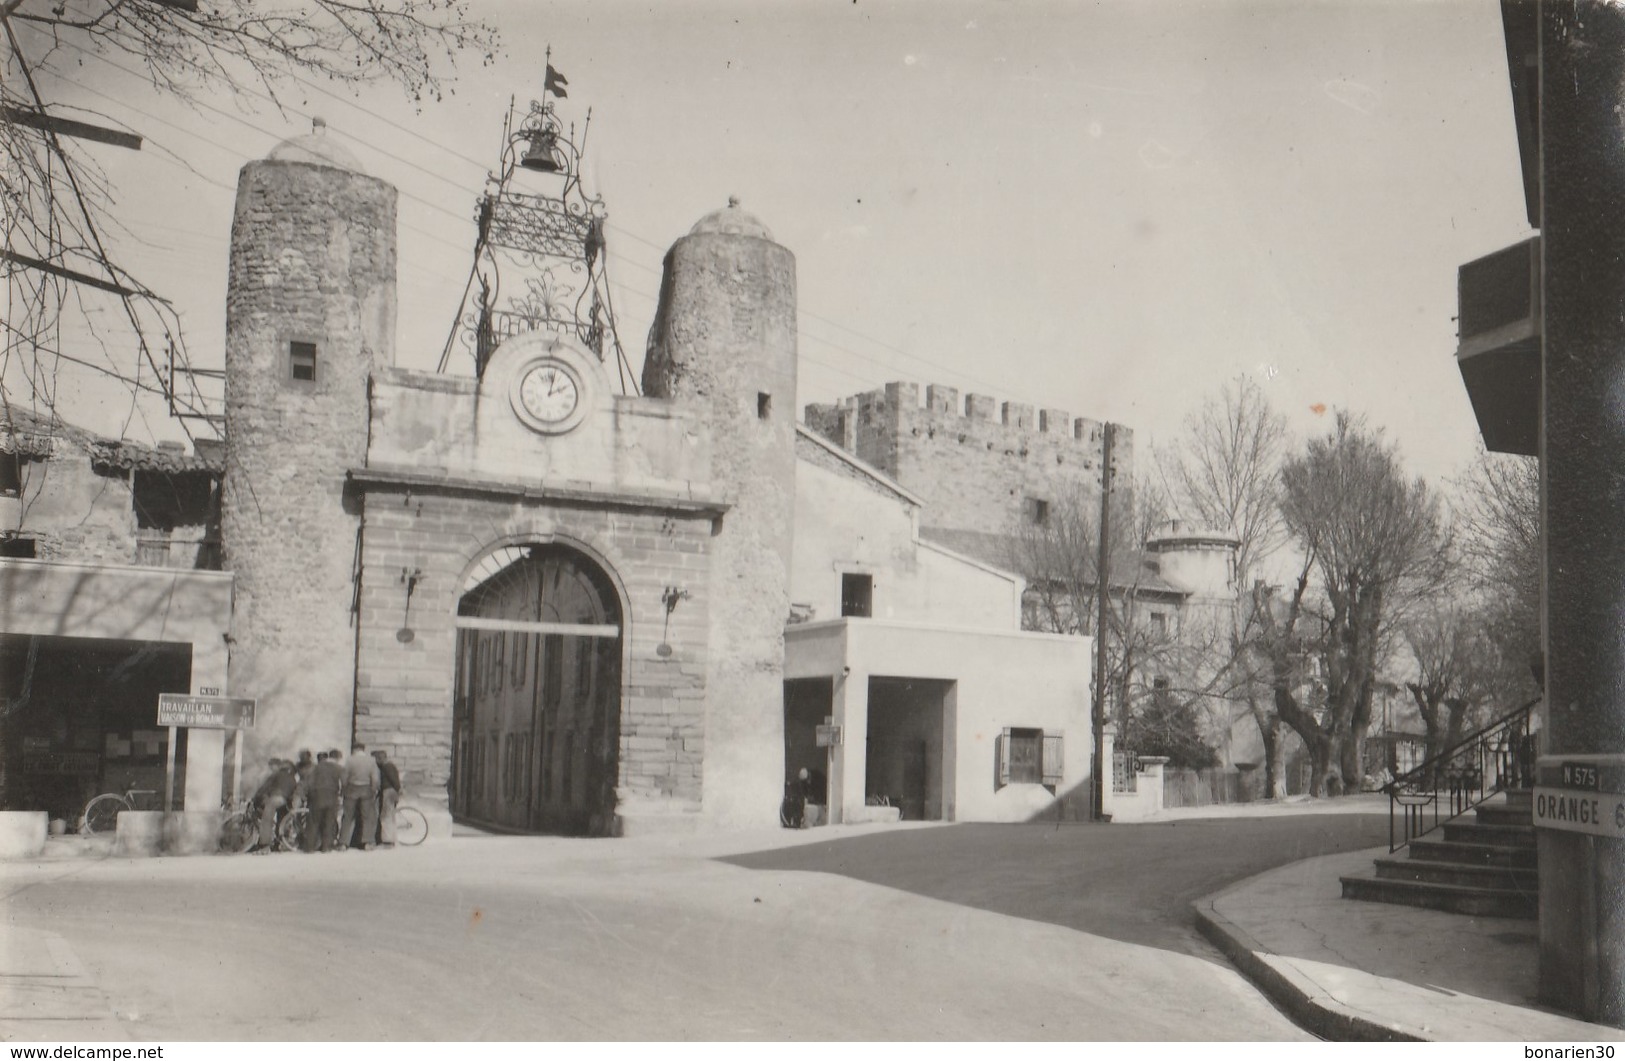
pixel 1575 811
pixel 207 712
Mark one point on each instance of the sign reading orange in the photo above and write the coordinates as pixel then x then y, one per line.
pixel 1577 811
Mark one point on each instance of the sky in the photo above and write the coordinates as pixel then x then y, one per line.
pixel 1108 208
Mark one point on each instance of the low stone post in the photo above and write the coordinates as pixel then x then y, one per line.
pixel 190 832
pixel 22 833
pixel 1150 781
pixel 140 833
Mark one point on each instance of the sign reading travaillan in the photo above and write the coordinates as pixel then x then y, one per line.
pixel 1575 811
pixel 208 712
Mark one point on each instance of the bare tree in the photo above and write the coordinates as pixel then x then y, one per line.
pixel 59 208
pixel 1455 671
pixel 1059 558
pixel 1374 544
pixel 1498 516
pixel 1224 472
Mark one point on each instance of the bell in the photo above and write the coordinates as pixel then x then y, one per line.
pixel 539 155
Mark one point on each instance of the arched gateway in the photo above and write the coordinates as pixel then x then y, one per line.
pixel 536 719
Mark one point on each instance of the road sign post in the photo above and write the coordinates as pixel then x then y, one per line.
pixel 183 710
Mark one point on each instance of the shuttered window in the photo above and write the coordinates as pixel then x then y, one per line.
pixel 1028 757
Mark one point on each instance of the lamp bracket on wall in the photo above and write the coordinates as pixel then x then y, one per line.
pixel 669 598
pixel 410 577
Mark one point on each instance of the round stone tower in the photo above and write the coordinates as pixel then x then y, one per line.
pixel 310 315
pixel 1199 560
pixel 724 344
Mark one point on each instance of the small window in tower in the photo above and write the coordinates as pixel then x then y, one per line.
pixel 857 595
pixel 764 405
pixel 1037 511
pixel 17 547
pixel 11 475
pixel 302 359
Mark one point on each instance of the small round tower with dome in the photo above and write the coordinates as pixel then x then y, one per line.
pixel 310 316
pixel 723 344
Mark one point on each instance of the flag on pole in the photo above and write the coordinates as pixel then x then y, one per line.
pixel 555 82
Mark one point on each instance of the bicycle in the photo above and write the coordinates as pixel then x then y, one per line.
pixel 290 831
pixel 411 828
pixel 101 813
pixel 239 828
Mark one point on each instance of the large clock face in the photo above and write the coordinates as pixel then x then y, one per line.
pixel 549 393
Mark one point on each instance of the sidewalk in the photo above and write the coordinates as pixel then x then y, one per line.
pixel 45 993
pixel 1352 970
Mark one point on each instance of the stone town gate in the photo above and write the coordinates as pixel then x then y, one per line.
pixel 536 702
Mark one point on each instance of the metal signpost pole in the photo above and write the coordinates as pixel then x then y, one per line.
pixel 169 771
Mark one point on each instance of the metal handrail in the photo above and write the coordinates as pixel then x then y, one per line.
pixel 1494 758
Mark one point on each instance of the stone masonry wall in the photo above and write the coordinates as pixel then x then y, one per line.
pixel 405 690
pixel 74 512
pixel 975 463
pixel 312 260
pixel 724 345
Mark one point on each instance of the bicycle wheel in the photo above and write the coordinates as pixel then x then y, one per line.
pixel 290 833
pixel 237 832
pixel 411 827
pixel 101 814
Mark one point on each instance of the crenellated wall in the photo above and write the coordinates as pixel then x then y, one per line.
pixel 975 461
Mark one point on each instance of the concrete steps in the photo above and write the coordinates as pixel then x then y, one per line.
pixel 1432 850
pixel 1483 866
pixel 1464 873
pixel 1452 898
pixel 1495 835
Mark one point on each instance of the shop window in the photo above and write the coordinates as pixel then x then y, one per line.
pixel 857 595
pixel 302 361
pixel 1028 757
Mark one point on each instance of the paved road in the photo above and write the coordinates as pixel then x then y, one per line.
pixel 1133 883
pixel 957 932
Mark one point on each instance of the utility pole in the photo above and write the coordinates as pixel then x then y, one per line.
pixel 1102 587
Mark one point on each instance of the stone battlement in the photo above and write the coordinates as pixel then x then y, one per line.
pixel 978 463
pixel 837 421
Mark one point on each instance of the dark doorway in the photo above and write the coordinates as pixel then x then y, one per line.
pixel 903 761
pixel 78 717
pixel 806 704
pixel 536 721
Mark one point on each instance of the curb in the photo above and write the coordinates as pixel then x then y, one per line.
pixel 1302 1000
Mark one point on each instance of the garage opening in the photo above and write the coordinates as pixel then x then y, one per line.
pixel 903 761
pixel 78 717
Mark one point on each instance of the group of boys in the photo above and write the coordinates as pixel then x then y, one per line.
pixel 343 795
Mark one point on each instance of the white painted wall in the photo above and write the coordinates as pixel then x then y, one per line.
pixel 1002 679
pixel 844 525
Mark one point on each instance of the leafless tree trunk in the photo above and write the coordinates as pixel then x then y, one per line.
pixel 1223 472
pixel 1375 543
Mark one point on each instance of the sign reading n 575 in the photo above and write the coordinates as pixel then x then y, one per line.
pixel 208 712
pixel 1576 811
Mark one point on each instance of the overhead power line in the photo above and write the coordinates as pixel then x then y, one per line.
pixel 933 366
